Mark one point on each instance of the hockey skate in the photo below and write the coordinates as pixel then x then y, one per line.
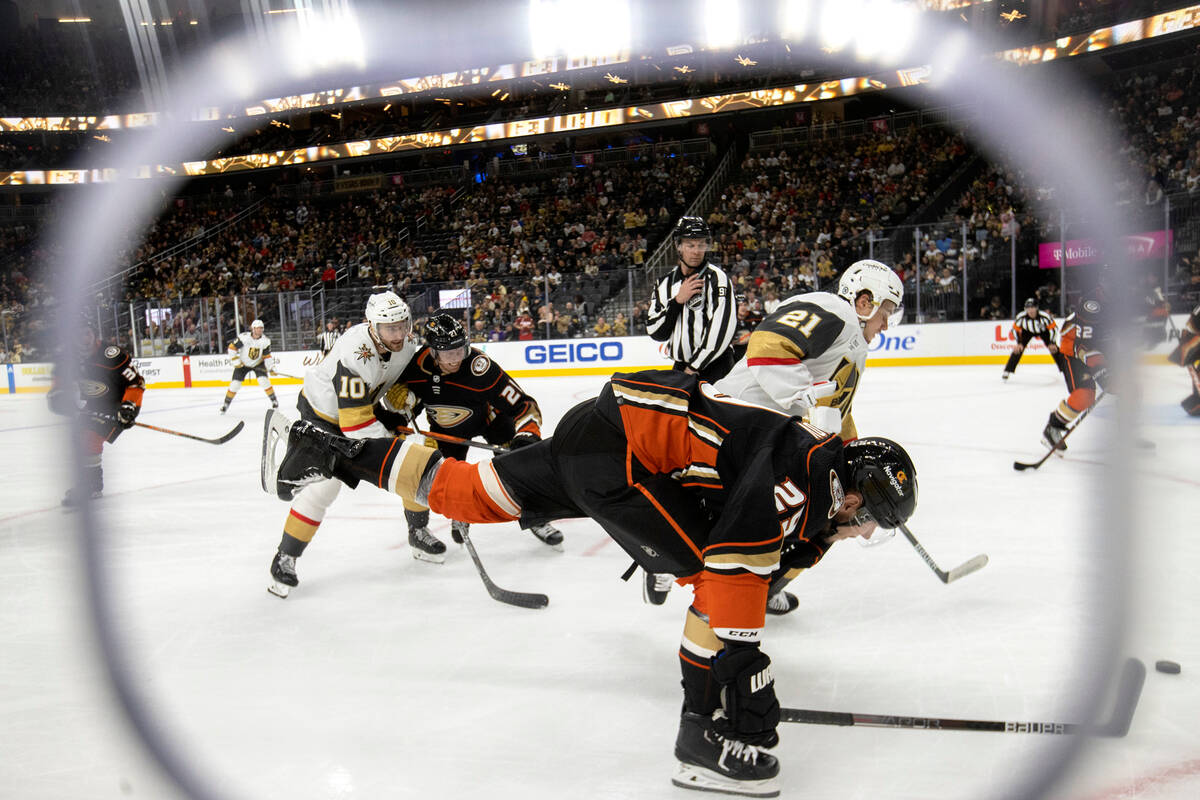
pixel 1054 433
pixel 223 409
pixel 311 454
pixel 457 529
pixel 283 574
pixel 548 534
pixel 782 603
pixel 656 587
pixel 1006 375
pixel 425 546
pixel 709 762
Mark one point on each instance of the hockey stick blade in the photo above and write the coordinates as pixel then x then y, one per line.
pixel 1021 466
pixel 967 567
pixel 974 565
pixel 1129 689
pixel 221 440
pixel 522 599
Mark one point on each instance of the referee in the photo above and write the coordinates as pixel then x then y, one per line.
pixel 327 337
pixel 693 308
pixel 1033 324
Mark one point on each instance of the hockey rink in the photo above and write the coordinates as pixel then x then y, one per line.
pixel 386 677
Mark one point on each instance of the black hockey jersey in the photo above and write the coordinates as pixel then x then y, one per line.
pixel 464 403
pixel 105 379
pixel 768 479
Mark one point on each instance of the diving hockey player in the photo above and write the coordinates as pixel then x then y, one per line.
pixel 1033 323
pixel 108 397
pixel 688 481
pixel 338 396
pixel 810 338
pixel 251 355
pixel 464 394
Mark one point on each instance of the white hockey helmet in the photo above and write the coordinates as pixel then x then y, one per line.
pixel 258 323
pixel 386 308
pixel 879 280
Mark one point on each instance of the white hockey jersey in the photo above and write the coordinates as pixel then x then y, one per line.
pixel 808 338
pixel 344 386
pixel 250 351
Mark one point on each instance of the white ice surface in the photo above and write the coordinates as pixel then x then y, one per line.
pixel 385 677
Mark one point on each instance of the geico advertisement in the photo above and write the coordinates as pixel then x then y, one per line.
pixel 576 356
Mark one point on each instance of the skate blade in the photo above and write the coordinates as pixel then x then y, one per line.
pixel 432 558
pixel 690 776
pixel 275 428
pixel 279 589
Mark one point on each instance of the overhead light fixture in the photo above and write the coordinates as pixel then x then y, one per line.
pixel 74 19
pixel 722 23
pixel 574 28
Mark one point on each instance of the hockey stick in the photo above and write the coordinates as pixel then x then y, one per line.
pixel 284 375
pixel 966 568
pixel 220 440
pixel 522 599
pixel 1129 689
pixel 1021 466
pixel 445 437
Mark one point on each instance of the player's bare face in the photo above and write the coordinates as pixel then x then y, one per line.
pixel 449 361
pixel 393 335
pixel 256 333
pixel 879 320
pixel 850 523
pixel 692 252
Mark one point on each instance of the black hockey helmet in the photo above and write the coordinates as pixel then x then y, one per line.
pixel 691 228
pixel 444 332
pixel 884 474
pixel 1031 303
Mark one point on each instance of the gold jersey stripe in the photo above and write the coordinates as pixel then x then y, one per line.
pixel 355 416
pixel 644 397
pixel 766 344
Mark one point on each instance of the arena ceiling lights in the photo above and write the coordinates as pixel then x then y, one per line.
pixel 578 28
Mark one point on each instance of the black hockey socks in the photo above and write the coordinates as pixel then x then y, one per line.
pixel 291 546
pixel 1013 358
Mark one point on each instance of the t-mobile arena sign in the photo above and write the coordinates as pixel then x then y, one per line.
pixel 1138 247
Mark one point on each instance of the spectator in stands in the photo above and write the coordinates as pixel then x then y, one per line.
pixel 993 310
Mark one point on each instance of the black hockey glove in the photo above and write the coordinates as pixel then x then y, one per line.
pixel 523 439
pixel 751 711
pixel 127 413
pixel 61 402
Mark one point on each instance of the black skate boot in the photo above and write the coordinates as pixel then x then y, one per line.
pixel 224 408
pixel 782 603
pixel 710 762
pixel 312 455
pixel 548 534
pixel 425 546
pixel 1054 432
pixel 457 529
pixel 656 586
pixel 283 573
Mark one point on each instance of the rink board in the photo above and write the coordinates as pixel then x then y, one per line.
pixel 950 343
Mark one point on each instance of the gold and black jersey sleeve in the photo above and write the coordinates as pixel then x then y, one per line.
pixel 795 331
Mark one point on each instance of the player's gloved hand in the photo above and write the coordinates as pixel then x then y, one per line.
pixel 60 401
pixel 523 439
pixel 127 413
pixel 751 710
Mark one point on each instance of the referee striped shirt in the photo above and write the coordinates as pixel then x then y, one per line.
pixel 326 340
pixel 699 331
pixel 1037 324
